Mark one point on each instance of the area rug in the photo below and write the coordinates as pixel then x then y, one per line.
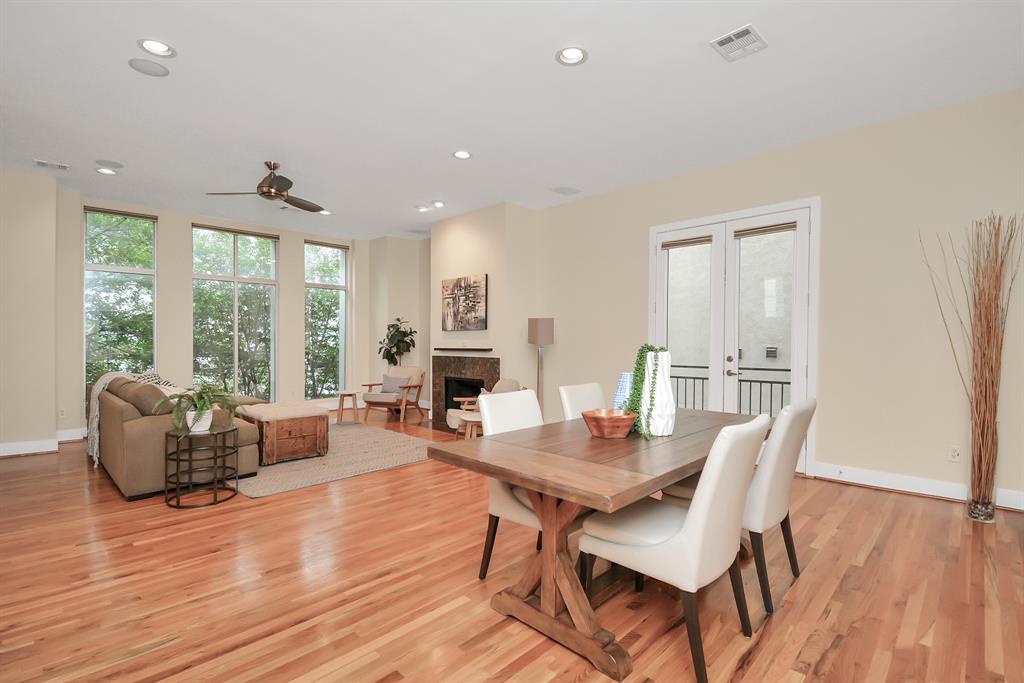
pixel 354 449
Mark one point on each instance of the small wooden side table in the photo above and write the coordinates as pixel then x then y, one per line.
pixel 341 407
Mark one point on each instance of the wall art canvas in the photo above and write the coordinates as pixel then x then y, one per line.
pixel 464 303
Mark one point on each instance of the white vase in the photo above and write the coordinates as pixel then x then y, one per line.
pixel 198 422
pixel 660 419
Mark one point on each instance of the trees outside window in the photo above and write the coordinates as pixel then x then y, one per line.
pixel 325 319
pixel 234 302
pixel 120 273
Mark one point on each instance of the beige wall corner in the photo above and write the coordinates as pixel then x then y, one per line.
pixel 70 284
pixel 28 238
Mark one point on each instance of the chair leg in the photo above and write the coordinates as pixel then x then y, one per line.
pixel 401 413
pixel 736 576
pixel 787 534
pixel 492 529
pixel 638 582
pixel 540 540
pixel 586 571
pixel 700 669
pixel 366 414
pixel 757 542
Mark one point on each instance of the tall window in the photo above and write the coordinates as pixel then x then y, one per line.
pixel 234 302
pixel 325 320
pixel 120 273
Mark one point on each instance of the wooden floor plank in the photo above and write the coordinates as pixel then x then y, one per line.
pixel 373 578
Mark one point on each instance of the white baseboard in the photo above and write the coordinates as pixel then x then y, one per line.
pixel 75 434
pixel 26 447
pixel 1005 498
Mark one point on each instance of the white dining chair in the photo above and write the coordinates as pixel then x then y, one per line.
pixel 768 501
pixel 687 547
pixel 577 398
pixel 505 412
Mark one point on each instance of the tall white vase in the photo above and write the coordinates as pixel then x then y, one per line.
pixel 663 414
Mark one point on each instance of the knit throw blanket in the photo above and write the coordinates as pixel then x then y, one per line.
pixel 92 446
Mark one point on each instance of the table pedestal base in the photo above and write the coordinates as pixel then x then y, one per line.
pixel 550 598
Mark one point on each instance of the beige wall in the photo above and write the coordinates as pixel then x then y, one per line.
pixel 890 401
pixel 28 208
pixel 501 241
pixel 43 245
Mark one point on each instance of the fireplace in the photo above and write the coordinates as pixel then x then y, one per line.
pixel 460 387
pixel 453 376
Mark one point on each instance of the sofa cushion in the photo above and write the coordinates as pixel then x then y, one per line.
pixel 115 385
pixel 145 398
pixel 380 397
pixel 265 412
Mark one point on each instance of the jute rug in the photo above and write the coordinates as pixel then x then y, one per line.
pixel 354 449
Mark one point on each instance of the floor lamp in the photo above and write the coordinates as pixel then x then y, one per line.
pixel 541 331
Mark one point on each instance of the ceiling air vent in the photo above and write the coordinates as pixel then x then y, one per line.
pixel 739 43
pixel 565 190
pixel 57 166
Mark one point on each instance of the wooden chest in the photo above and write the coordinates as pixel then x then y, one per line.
pixel 292 438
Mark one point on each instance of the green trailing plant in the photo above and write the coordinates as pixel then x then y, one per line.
pixel 642 424
pixel 399 340
pixel 200 399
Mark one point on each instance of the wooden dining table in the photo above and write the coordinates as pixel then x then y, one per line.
pixel 564 470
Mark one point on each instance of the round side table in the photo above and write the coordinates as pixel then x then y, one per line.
pixel 200 463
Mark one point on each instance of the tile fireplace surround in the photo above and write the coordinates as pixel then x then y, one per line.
pixel 475 367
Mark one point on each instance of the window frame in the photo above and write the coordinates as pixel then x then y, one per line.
pixel 98 267
pixel 236 280
pixel 343 287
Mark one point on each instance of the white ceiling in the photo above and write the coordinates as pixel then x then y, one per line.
pixel 363 102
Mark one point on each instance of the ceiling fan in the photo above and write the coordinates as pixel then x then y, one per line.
pixel 275 187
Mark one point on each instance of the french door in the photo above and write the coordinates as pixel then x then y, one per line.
pixel 731 301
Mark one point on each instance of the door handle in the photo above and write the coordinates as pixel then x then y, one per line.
pixel 732 373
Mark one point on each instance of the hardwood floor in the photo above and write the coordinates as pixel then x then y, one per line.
pixel 373 578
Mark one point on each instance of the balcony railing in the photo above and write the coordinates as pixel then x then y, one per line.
pixel 755 395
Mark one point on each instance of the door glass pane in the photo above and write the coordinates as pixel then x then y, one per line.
pixel 764 321
pixel 114 240
pixel 256 257
pixel 213 252
pixel 255 339
pixel 325 342
pixel 689 322
pixel 325 265
pixel 118 323
pixel 213 305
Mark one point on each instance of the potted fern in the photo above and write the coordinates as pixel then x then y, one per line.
pixel 192 410
pixel 399 340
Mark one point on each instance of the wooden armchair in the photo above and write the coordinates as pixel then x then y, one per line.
pixel 399 397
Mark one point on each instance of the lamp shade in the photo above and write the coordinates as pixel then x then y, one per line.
pixel 541 331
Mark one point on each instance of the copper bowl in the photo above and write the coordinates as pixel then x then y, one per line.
pixel 609 423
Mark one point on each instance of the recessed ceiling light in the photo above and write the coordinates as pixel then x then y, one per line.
pixel 571 56
pixel 421 209
pixel 157 47
pixel 438 204
pixel 325 212
pixel 149 67
pixel 106 171
pixel 461 154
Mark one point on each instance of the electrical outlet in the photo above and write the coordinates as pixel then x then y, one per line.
pixel 954 454
pixel 62 412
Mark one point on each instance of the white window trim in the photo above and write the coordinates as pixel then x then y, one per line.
pixel 343 361
pixel 236 280
pixel 86 267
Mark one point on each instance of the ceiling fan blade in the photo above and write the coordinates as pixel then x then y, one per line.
pixel 227 193
pixel 280 183
pixel 303 204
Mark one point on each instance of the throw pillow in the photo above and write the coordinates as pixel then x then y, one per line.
pixel 151 377
pixel 392 384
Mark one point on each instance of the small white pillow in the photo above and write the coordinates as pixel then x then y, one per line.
pixel 392 384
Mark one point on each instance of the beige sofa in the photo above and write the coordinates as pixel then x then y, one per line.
pixel 133 437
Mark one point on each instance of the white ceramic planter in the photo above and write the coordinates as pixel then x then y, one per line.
pixel 199 422
pixel 661 417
